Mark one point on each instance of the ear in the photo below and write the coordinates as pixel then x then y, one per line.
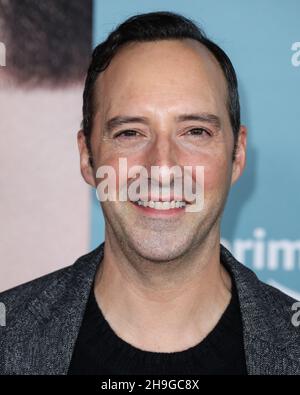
pixel 85 166
pixel 240 157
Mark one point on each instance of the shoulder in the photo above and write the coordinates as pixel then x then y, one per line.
pixel 42 316
pixel 249 283
pixel 281 307
pixel 268 313
pixel 18 297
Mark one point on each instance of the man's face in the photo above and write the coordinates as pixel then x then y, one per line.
pixel 160 81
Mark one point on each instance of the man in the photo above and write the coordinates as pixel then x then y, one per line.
pixel 160 295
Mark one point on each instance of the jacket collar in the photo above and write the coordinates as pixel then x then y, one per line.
pixel 271 342
pixel 53 318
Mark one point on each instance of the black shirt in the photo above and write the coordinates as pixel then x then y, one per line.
pixel 99 350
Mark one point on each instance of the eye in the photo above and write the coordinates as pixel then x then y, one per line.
pixel 196 132
pixel 127 133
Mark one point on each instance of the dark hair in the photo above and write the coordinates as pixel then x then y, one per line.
pixel 47 42
pixel 156 26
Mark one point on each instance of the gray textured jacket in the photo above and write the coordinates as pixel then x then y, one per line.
pixel 43 318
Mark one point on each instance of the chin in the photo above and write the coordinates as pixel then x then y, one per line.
pixel 159 249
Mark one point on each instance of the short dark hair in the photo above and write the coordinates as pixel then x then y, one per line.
pixel 155 26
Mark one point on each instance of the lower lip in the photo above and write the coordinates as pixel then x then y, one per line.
pixel 152 212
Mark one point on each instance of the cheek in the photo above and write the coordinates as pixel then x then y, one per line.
pixel 216 175
pixel 216 171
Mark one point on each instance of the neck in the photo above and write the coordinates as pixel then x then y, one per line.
pixel 165 307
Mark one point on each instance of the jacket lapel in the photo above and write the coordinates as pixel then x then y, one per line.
pixel 54 320
pixel 271 342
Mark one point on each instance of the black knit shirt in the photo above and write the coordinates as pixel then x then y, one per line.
pixel 99 350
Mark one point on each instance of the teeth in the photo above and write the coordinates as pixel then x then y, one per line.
pixel 161 205
pixel 166 205
pixel 158 205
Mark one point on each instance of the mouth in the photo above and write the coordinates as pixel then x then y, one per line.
pixel 160 208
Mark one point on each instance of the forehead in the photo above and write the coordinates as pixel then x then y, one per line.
pixel 165 74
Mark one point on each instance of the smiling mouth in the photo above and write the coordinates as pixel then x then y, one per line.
pixel 161 205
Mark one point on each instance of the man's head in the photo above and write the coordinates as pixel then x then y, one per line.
pixel 152 27
pixel 47 42
pixel 182 89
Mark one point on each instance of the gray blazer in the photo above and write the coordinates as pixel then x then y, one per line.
pixel 43 318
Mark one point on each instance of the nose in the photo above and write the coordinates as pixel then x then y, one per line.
pixel 162 152
pixel 162 157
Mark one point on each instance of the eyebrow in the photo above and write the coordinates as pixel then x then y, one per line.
pixel 120 120
pixel 203 117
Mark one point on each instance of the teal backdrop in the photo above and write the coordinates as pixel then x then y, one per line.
pixel 262 38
